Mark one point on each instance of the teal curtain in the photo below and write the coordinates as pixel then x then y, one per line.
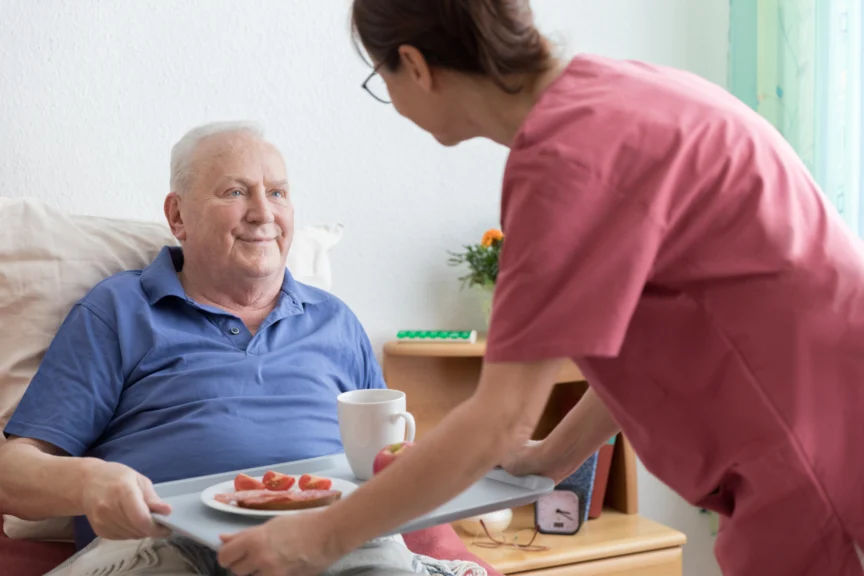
pixel 800 63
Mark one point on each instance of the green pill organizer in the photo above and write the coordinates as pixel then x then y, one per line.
pixel 464 336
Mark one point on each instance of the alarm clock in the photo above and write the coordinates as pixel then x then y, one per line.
pixel 558 512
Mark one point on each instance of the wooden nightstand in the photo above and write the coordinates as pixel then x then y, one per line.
pixel 439 376
pixel 613 544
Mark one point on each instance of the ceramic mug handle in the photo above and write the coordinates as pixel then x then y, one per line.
pixel 409 424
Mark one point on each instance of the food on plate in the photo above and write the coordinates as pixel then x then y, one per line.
pixel 276 481
pixel 232 497
pixel 308 482
pixel 243 482
pixel 388 454
pixel 280 500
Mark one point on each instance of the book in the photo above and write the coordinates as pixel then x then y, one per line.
pixel 582 483
pixel 601 477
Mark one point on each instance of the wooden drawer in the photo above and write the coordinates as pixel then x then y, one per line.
pixel 658 563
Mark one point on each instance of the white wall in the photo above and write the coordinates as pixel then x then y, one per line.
pixel 94 92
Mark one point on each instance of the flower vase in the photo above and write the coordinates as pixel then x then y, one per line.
pixel 486 293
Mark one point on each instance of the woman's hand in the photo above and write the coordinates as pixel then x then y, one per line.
pixel 581 433
pixel 295 545
pixel 524 460
pixel 533 458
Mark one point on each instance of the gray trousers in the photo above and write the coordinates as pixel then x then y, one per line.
pixel 178 556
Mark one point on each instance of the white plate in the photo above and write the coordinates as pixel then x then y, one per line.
pixel 208 497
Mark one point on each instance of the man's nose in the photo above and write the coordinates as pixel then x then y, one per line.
pixel 259 209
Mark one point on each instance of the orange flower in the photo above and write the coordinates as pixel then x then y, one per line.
pixel 491 236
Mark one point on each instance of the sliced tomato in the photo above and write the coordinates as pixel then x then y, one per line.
pixel 277 482
pixel 308 482
pixel 243 482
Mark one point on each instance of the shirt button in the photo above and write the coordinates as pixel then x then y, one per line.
pixel 235 331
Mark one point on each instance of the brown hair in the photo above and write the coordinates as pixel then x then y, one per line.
pixel 495 38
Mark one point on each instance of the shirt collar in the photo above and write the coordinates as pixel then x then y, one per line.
pixel 159 280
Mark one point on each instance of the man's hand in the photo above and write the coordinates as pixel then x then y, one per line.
pixel 281 547
pixel 118 502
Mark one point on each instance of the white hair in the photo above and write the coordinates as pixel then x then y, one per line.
pixel 182 151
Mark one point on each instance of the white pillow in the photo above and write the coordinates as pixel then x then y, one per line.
pixel 309 256
pixel 50 260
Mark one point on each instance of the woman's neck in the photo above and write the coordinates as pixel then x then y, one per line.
pixel 499 115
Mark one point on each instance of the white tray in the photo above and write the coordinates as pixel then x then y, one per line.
pixel 191 518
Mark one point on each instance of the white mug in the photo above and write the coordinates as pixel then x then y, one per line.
pixel 369 420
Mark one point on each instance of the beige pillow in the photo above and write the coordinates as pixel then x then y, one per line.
pixel 49 260
pixel 48 530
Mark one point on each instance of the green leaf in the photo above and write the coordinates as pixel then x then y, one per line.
pixel 481 261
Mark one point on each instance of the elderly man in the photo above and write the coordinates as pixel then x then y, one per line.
pixel 211 359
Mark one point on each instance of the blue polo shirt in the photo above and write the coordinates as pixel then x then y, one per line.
pixel 141 374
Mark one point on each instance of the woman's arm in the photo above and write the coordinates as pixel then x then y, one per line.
pixel 472 439
pixel 581 433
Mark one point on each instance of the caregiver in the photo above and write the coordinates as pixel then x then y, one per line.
pixel 666 238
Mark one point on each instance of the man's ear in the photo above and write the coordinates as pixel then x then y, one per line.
pixel 172 214
pixel 418 68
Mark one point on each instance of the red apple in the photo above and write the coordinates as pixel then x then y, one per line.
pixel 388 454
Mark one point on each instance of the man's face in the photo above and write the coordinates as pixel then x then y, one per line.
pixel 236 215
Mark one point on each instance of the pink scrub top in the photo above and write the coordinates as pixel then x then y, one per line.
pixel 669 240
